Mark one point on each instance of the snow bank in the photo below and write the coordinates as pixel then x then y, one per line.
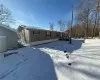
pixel 92 41
pixel 41 42
pixel 37 42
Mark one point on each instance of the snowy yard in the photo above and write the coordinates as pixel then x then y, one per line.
pixel 49 62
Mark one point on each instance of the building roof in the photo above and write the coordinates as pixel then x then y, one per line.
pixel 7 27
pixel 33 28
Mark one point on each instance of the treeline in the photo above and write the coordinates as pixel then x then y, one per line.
pixel 86 20
pixel 79 31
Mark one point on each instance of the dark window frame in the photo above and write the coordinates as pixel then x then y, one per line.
pixel 57 34
pixel 36 32
pixel 48 34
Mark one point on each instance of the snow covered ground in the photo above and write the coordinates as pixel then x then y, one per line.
pixel 49 62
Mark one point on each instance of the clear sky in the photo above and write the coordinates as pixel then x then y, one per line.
pixel 40 12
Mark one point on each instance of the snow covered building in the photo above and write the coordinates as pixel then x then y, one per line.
pixel 10 38
pixel 37 36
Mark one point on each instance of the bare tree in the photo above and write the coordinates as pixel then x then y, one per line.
pixel 5 15
pixel 51 26
pixel 84 11
pixel 96 22
pixel 87 19
pixel 62 25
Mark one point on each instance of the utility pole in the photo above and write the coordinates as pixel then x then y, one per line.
pixel 70 40
pixel 72 21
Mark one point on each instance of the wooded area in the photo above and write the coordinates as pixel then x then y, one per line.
pixel 86 20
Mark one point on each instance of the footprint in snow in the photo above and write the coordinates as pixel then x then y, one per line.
pixel 67 56
pixel 65 51
pixel 69 64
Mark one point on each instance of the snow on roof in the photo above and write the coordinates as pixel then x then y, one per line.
pixel 38 28
pixel 7 27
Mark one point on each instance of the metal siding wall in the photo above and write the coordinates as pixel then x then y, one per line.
pixel 12 37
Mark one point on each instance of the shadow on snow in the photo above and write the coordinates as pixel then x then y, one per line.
pixel 82 71
pixel 44 67
pixel 63 45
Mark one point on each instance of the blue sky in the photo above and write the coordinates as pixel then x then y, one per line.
pixel 40 12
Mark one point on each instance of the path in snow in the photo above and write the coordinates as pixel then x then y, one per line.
pixel 28 64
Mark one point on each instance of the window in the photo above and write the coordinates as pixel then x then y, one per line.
pixel 57 34
pixel 61 34
pixel 36 32
pixel 48 33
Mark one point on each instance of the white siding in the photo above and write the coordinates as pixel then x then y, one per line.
pixel 3 44
pixel 12 37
